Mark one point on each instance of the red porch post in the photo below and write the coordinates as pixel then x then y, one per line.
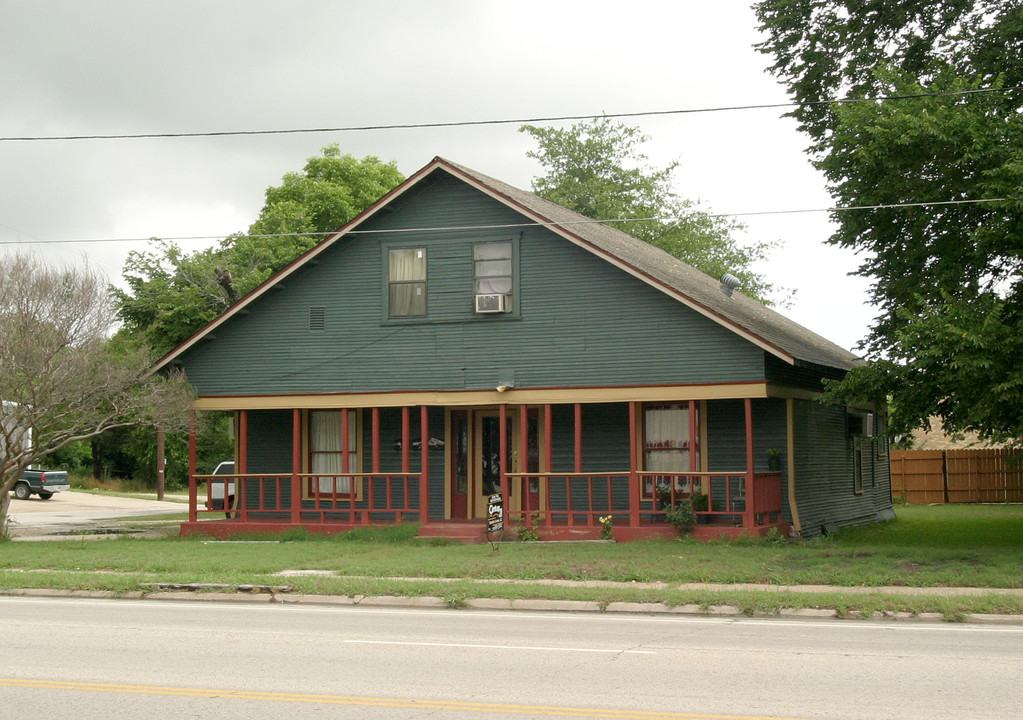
pixel 634 490
pixel 548 436
pixel 193 493
pixel 345 455
pixel 503 458
pixel 296 466
pixel 694 438
pixel 694 447
pixel 424 467
pixel 243 466
pixel 747 515
pixel 578 466
pixel 406 440
pixel 524 461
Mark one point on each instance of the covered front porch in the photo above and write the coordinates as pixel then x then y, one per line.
pixel 456 470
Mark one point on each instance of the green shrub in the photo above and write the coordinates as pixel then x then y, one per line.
pixel 681 516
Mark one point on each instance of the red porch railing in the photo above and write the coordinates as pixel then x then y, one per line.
pixel 355 498
pixel 580 499
pixel 573 500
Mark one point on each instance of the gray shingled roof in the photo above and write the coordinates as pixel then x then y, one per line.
pixel 773 328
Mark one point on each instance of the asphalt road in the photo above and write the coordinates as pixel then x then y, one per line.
pixel 78 512
pixel 120 659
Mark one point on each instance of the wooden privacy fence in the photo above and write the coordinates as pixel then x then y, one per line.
pixel 957 476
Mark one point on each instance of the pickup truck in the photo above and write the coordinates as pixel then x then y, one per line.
pixel 43 483
pixel 215 492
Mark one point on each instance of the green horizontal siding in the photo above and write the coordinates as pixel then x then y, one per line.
pixel 579 321
pixel 824 472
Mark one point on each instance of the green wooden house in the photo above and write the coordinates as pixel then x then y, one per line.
pixel 465 352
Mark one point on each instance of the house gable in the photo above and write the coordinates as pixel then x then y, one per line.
pixel 577 320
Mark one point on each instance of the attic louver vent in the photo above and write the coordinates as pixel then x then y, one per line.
pixel 317 318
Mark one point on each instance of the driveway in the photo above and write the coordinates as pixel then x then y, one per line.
pixel 87 515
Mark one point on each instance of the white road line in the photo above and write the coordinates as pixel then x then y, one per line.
pixel 502 647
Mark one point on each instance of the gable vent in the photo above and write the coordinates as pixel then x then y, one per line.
pixel 317 318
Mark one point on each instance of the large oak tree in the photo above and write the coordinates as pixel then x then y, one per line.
pixel 930 145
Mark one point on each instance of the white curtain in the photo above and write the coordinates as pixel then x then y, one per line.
pixel 407 282
pixel 325 449
pixel 666 442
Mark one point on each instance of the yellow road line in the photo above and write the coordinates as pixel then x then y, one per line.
pixel 543 710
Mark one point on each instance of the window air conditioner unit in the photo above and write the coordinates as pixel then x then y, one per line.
pixel 491 303
pixel 868 425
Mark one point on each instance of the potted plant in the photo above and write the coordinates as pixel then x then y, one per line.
pixel 701 502
pixel 663 494
pixel 774 459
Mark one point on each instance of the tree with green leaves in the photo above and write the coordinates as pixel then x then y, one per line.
pixel 171 294
pixel 927 143
pixel 597 169
pixel 62 380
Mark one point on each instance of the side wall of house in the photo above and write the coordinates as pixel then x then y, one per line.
pixel 825 465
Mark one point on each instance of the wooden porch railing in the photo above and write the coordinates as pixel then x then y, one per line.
pixel 580 499
pixel 356 498
pixel 569 499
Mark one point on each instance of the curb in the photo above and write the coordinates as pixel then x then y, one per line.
pixel 281 595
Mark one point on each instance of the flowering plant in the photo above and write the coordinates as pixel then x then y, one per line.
pixel 606 527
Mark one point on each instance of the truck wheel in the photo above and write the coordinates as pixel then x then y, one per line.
pixel 22 491
pixel 45 495
pixel 230 504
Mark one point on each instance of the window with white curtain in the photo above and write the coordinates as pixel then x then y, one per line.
pixel 406 282
pixel 326 450
pixel 666 445
pixel 492 267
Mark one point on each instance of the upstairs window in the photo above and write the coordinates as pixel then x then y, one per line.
pixel 406 282
pixel 492 271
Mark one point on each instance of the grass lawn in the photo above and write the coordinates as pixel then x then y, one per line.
pixel 952 545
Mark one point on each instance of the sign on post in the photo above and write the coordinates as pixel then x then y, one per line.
pixel 495 513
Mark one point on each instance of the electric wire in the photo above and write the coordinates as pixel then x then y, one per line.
pixel 510 226
pixel 477 123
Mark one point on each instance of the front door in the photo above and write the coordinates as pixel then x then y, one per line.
pixel 474 462
pixel 485 470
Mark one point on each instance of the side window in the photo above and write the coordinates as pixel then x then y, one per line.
pixel 406 282
pixel 492 273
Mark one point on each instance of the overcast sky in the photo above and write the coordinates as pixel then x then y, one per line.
pixel 182 66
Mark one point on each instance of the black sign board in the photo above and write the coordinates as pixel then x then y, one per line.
pixel 495 513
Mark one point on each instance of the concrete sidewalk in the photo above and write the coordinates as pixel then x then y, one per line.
pixel 740 587
pixel 283 595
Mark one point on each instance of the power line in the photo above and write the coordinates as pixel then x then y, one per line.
pixel 509 226
pixel 477 123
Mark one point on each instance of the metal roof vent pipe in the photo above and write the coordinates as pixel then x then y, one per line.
pixel 728 283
